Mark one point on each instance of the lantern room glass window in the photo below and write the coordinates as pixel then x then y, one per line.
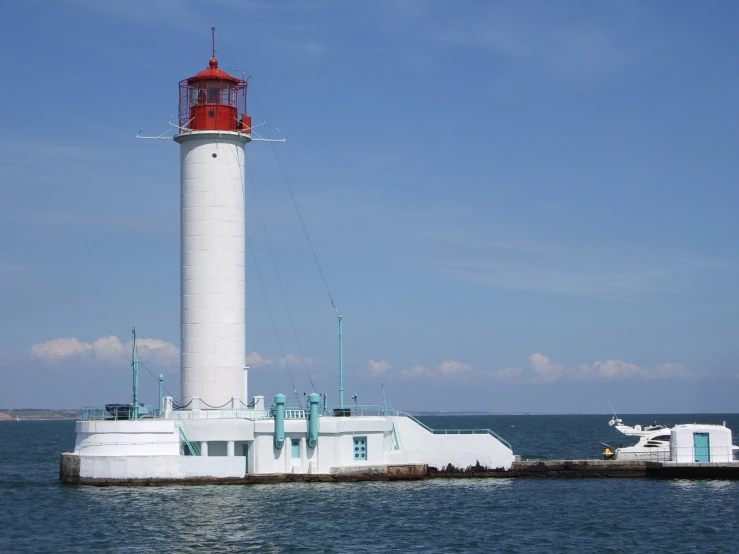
pixel 213 92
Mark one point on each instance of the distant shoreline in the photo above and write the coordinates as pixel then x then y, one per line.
pixel 40 415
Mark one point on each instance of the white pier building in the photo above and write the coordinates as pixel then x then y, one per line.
pixel 216 433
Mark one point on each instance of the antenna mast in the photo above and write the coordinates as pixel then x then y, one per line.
pixel 134 412
pixel 341 363
pixel 213 39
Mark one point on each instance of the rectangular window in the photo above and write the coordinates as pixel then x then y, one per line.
pixel 360 448
pixel 295 444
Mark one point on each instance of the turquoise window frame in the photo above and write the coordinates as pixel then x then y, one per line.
pixel 295 448
pixel 360 449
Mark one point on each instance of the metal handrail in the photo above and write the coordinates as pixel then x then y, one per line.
pixel 192 446
pixel 119 413
pixel 459 431
pixel 224 413
pixel 293 412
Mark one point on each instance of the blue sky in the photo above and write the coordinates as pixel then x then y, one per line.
pixel 518 206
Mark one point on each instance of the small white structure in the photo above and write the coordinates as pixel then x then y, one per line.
pixel 215 434
pixel 701 443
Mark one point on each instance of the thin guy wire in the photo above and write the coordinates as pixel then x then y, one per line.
pixel 279 279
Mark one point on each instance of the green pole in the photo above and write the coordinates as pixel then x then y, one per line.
pixel 341 363
pixel 134 412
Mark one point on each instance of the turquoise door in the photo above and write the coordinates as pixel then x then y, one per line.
pixel 702 447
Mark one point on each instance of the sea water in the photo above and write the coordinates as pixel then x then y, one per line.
pixel 38 514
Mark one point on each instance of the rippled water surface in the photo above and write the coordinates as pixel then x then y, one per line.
pixel 37 514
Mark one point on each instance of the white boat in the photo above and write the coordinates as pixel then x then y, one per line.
pixel 635 430
pixel 653 446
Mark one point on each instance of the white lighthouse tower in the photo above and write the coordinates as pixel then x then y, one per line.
pixel 214 129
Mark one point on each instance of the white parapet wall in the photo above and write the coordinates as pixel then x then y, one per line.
pixel 145 437
pixel 421 446
pixel 112 469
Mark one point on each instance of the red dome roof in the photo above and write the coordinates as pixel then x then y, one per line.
pixel 213 73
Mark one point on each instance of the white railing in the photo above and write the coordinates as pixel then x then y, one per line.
pixel 232 413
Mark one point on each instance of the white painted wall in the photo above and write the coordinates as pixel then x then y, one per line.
pixel 682 448
pixel 146 437
pixel 219 429
pixel 160 467
pixel 424 447
pixel 213 331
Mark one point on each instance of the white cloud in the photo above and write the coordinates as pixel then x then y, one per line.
pixel 255 359
pixel 507 374
pixel 610 369
pixel 292 360
pixel 379 368
pixel 541 369
pixel 415 371
pixel 452 367
pixel 57 349
pixel 545 370
pixel 163 352
pixel 445 369
pixel 108 349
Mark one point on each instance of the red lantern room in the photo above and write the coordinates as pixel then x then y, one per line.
pixel 213 100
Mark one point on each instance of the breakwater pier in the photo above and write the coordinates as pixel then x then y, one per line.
pixel 537 469
pixel 594 469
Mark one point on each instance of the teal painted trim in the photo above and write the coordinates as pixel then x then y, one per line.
pixel 314 400
pixel 396 438
pixel 701 447
pixel 341 362
pixel 295 448
pixel 459 431
pixel 360 449
pixel 118 412
pixel 192 446
pixel 279 440
pixel 134 413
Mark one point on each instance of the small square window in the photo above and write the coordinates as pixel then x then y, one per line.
pixel 295 445
pixel 360 448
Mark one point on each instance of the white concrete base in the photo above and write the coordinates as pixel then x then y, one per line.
pixel 151 449
pixel 140 469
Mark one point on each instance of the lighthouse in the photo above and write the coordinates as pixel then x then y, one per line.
pixel 214 435
pixel 213 132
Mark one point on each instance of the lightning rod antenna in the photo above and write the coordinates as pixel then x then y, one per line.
pixel 213 40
